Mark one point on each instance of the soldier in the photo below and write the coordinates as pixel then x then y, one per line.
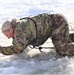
pixel 35 31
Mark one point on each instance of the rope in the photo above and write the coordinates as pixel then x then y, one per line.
pixel 40 48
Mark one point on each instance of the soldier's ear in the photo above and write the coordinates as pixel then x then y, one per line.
pixel 11 29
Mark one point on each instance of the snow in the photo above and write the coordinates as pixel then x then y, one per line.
pixel 32 61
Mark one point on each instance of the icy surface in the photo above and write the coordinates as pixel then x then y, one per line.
pixel 34 62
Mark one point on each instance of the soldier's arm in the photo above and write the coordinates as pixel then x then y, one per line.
pixel 8 50
pixel 16 48
pixel 19 43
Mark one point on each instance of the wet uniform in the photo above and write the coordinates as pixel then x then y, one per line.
pixel 37 30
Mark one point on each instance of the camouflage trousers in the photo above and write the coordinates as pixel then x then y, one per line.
pixel 61 38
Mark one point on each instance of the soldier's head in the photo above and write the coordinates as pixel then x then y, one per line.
pixel 7 29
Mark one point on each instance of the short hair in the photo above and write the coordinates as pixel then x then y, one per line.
pixel 6 25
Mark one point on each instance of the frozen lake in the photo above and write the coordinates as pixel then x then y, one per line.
pixel 50 64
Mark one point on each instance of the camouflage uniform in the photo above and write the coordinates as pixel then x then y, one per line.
pixel 26 33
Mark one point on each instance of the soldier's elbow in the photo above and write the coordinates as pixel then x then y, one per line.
pixel 18 50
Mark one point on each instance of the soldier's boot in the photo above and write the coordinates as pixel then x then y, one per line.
pixel 66 50
pixel 71 37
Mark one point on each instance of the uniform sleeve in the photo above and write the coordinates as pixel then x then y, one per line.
pixel 19 43
pixel 14 49
pixel 18 46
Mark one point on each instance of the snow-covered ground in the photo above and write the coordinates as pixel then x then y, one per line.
pixel 48 62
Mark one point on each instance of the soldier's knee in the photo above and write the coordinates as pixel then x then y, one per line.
pixel 63 50
pixel 66 50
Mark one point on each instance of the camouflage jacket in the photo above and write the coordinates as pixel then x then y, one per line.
pixel 25 33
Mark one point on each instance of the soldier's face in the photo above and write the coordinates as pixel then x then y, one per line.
pixel 8 33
